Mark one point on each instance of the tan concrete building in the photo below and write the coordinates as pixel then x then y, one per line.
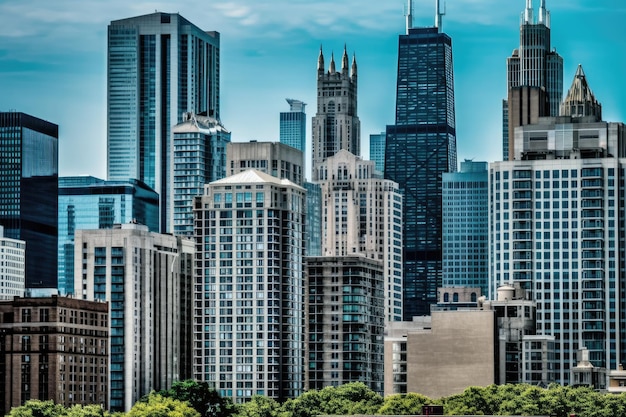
pixel 53 348
pixel 444 357
pixel 273 158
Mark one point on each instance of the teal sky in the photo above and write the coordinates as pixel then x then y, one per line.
pixel 53 61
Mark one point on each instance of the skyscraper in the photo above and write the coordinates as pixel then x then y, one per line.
pixel 199 158
pixel 336 125
pixel 362 215
pixel 249 292
pixel 556 228
pixel 159 66
pixel 146 278
pixel 534 75
pixel 87 202
pixel 293 125
pixel 421 146
pixel 29 192
pixel 465 228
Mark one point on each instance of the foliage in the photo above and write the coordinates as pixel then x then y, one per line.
pixel 37 408
pixel 201 397
pixel 260 406
pixel 404 404
pixel 156 405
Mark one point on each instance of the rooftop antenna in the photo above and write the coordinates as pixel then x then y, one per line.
pixel 528 14
pixel 544 15
pixel 409 16
pixel 439 14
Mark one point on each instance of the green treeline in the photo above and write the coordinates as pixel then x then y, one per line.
pixel 196 399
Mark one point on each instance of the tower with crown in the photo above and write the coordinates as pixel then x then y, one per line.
pixel 335 125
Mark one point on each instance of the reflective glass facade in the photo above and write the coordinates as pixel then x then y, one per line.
pixel 92 203
pixel 199 158
pixel 465 200
pixel 159 66
pixel 377 150
pixel 293 125
pixel 28 192
pixel 420 147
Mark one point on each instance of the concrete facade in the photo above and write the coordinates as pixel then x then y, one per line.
pixel 273 158
pixel 147 279
pixel 248 302
pixel 336 124
pixel 362 215
pixel 457 351
pixel 345 308
pixel 12 267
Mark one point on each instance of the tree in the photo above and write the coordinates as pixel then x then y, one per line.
pixel 38 408
pixel 200 396
pixel 404 404
pixel 260 406
pixel 156 405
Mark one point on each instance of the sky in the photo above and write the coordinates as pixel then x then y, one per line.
pixel 53 61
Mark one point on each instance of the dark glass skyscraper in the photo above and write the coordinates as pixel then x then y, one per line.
pixel 28 192
pixel 159 67
pixel 420 147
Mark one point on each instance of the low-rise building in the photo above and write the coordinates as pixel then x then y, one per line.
pixel 53 348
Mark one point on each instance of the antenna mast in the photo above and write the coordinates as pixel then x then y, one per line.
pixel 439 14
pixel 409 16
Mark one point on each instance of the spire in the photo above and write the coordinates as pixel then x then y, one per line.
pixel 353 71
pixel 437 16
pixel 409 16
pixel 320 60
pixel 331 68
pixel 344 60
pixel 580 101
pixel 528 13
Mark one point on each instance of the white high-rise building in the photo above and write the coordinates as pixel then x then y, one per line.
pixel 147 279
pixel 12 267
pixel 249 291
pixel 362 215
pixel 557 228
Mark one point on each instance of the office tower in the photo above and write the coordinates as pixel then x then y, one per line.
pixel 534 75
pixel 335 125
pixel 273 158
pixel 87 202
pixel 421 146
pixel 556 228
pixel 362 215
pixel 313 228
pixel 465 226
pixel 53 348
pixel 293 125
pixel 377 150
pixel 249 290
pixel 345 321
pixel 199 158
pixel 147 279
pixel 13 271
pixel 28 193
pixel 158 67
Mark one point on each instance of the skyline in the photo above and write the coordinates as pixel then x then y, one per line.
pixel 56 53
